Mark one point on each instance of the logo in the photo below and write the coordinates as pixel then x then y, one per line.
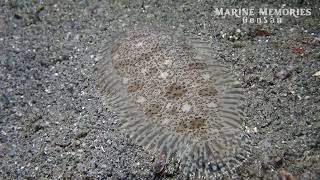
pixel 262 15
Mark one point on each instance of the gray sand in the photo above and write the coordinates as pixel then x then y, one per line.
pixel 54 125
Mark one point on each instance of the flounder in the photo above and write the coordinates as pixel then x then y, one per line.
pixel 174 98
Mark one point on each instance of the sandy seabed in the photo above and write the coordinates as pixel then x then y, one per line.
pixel 54 124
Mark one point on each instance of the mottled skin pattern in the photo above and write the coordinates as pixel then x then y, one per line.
pixel 179 88
pixel 171 87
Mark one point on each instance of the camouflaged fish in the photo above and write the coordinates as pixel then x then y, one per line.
pixel 173 98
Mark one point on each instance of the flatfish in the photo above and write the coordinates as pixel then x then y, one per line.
pixel 172 97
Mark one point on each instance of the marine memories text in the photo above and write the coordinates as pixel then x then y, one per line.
pixel 262 15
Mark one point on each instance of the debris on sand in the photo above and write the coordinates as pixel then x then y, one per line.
pixel 260 31
pixel 317 74
pixel 297 51
pixel 285 72
pixel 285 175
pixel 159 165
